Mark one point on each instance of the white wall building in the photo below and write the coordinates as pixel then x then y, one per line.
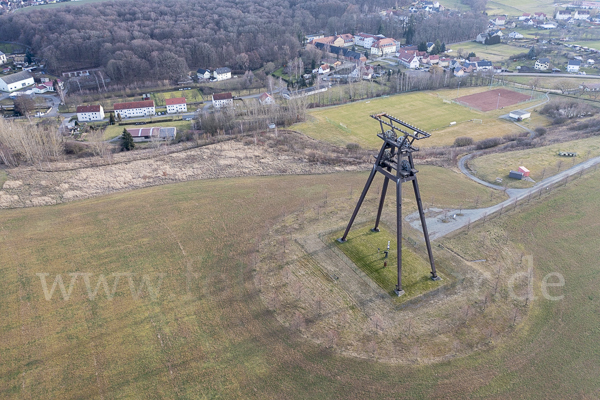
pixel 90 113
pixel 573 65
pixel 222 100
pixel 176 105
pixel 16 81
pixel 383 47
pixel 2 58
pixel 143 108
pixel 221 74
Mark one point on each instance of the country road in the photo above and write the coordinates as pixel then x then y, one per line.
pixel 437 228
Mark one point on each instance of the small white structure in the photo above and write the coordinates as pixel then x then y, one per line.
pixel 500 20
pixel 515 35
pixel 222 100
pixel 542 64
pixel 2 58
pixel 135 109
pixel 591 62
pixel 16 81
pixel 176 105
pixel 324 69
pixel 519 115
pixel 573 65
pixel 90 113
pixel 221 74
pixel 266 99
pixel 203 74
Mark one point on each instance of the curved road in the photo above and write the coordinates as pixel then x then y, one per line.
pixel 438 229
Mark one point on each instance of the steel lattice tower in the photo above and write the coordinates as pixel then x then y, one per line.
pixel 396 155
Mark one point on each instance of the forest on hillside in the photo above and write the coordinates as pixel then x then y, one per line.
pixel 163 39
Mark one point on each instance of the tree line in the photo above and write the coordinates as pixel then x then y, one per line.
pixel 163 39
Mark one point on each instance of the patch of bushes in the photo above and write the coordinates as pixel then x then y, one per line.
pixel 463 141
pixel 540 130
pixel 488 143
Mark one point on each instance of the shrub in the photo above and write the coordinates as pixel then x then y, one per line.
pixel 540 130
pixel 463 141
pixel 488 143
pixel 353 147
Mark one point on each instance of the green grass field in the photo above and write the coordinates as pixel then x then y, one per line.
pixel 3 177
pixel 214 338
pixel 115 130
pixel 495 53
pixel 542 161
pixel 192 95
pixel 361 248
pixel 595 44
pixel 55 5
pixel 351 123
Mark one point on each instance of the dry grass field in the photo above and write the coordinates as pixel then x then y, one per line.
pixel 542 161
pixel 208 334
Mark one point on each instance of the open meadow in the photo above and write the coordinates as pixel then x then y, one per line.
pixel 495 53
pixel 203 330
pixel 517 8
pixel 431 111
pixel 542 161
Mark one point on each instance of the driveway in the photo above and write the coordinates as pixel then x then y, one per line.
pixel 438 229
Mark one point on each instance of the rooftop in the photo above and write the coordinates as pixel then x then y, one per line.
pixel 174 101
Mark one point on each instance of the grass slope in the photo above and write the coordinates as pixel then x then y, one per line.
pixel 115 130
pixel 542 161
pixel 214 338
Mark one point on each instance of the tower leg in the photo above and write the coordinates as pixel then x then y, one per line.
pixel 399 290
pixel 434 275
pixel 359 204
pixel 381 201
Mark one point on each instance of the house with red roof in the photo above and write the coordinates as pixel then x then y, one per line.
pixel 220 100
pixel 90 113
pixel 384 46
pixel 266 99
pixel 176 105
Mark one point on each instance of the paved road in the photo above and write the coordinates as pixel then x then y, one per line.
pixel 438 229
pixel 551 75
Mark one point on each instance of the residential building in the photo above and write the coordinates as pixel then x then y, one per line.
pixel 444 62
pixel 547 26
pixel 220 100
pixel 542 64
pixel 347 38
pixel 501 20
pixel 221 74
pixel 573 65
pixel 367 72
pixel 2 58
pixel 266 99
pixel 582 15
pixel 16 81
pixel 484 65
pixel 90 113
pixel 366 40
pixel 515 35
pixel 203 74
pixel 324 69
pixel 540 16
pixel 142 108
pixel 176 105
pixel 524 16
pixel 409 59
pixel 383 47
pixel 562 15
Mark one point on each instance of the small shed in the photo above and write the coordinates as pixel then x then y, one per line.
pixel 515 175
pixel 524 170
pixel 519 115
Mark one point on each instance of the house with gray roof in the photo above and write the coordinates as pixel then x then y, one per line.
pixel 221 74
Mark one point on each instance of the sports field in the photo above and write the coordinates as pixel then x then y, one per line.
pixel 431 111
pixel 495 99
pixel 205 333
